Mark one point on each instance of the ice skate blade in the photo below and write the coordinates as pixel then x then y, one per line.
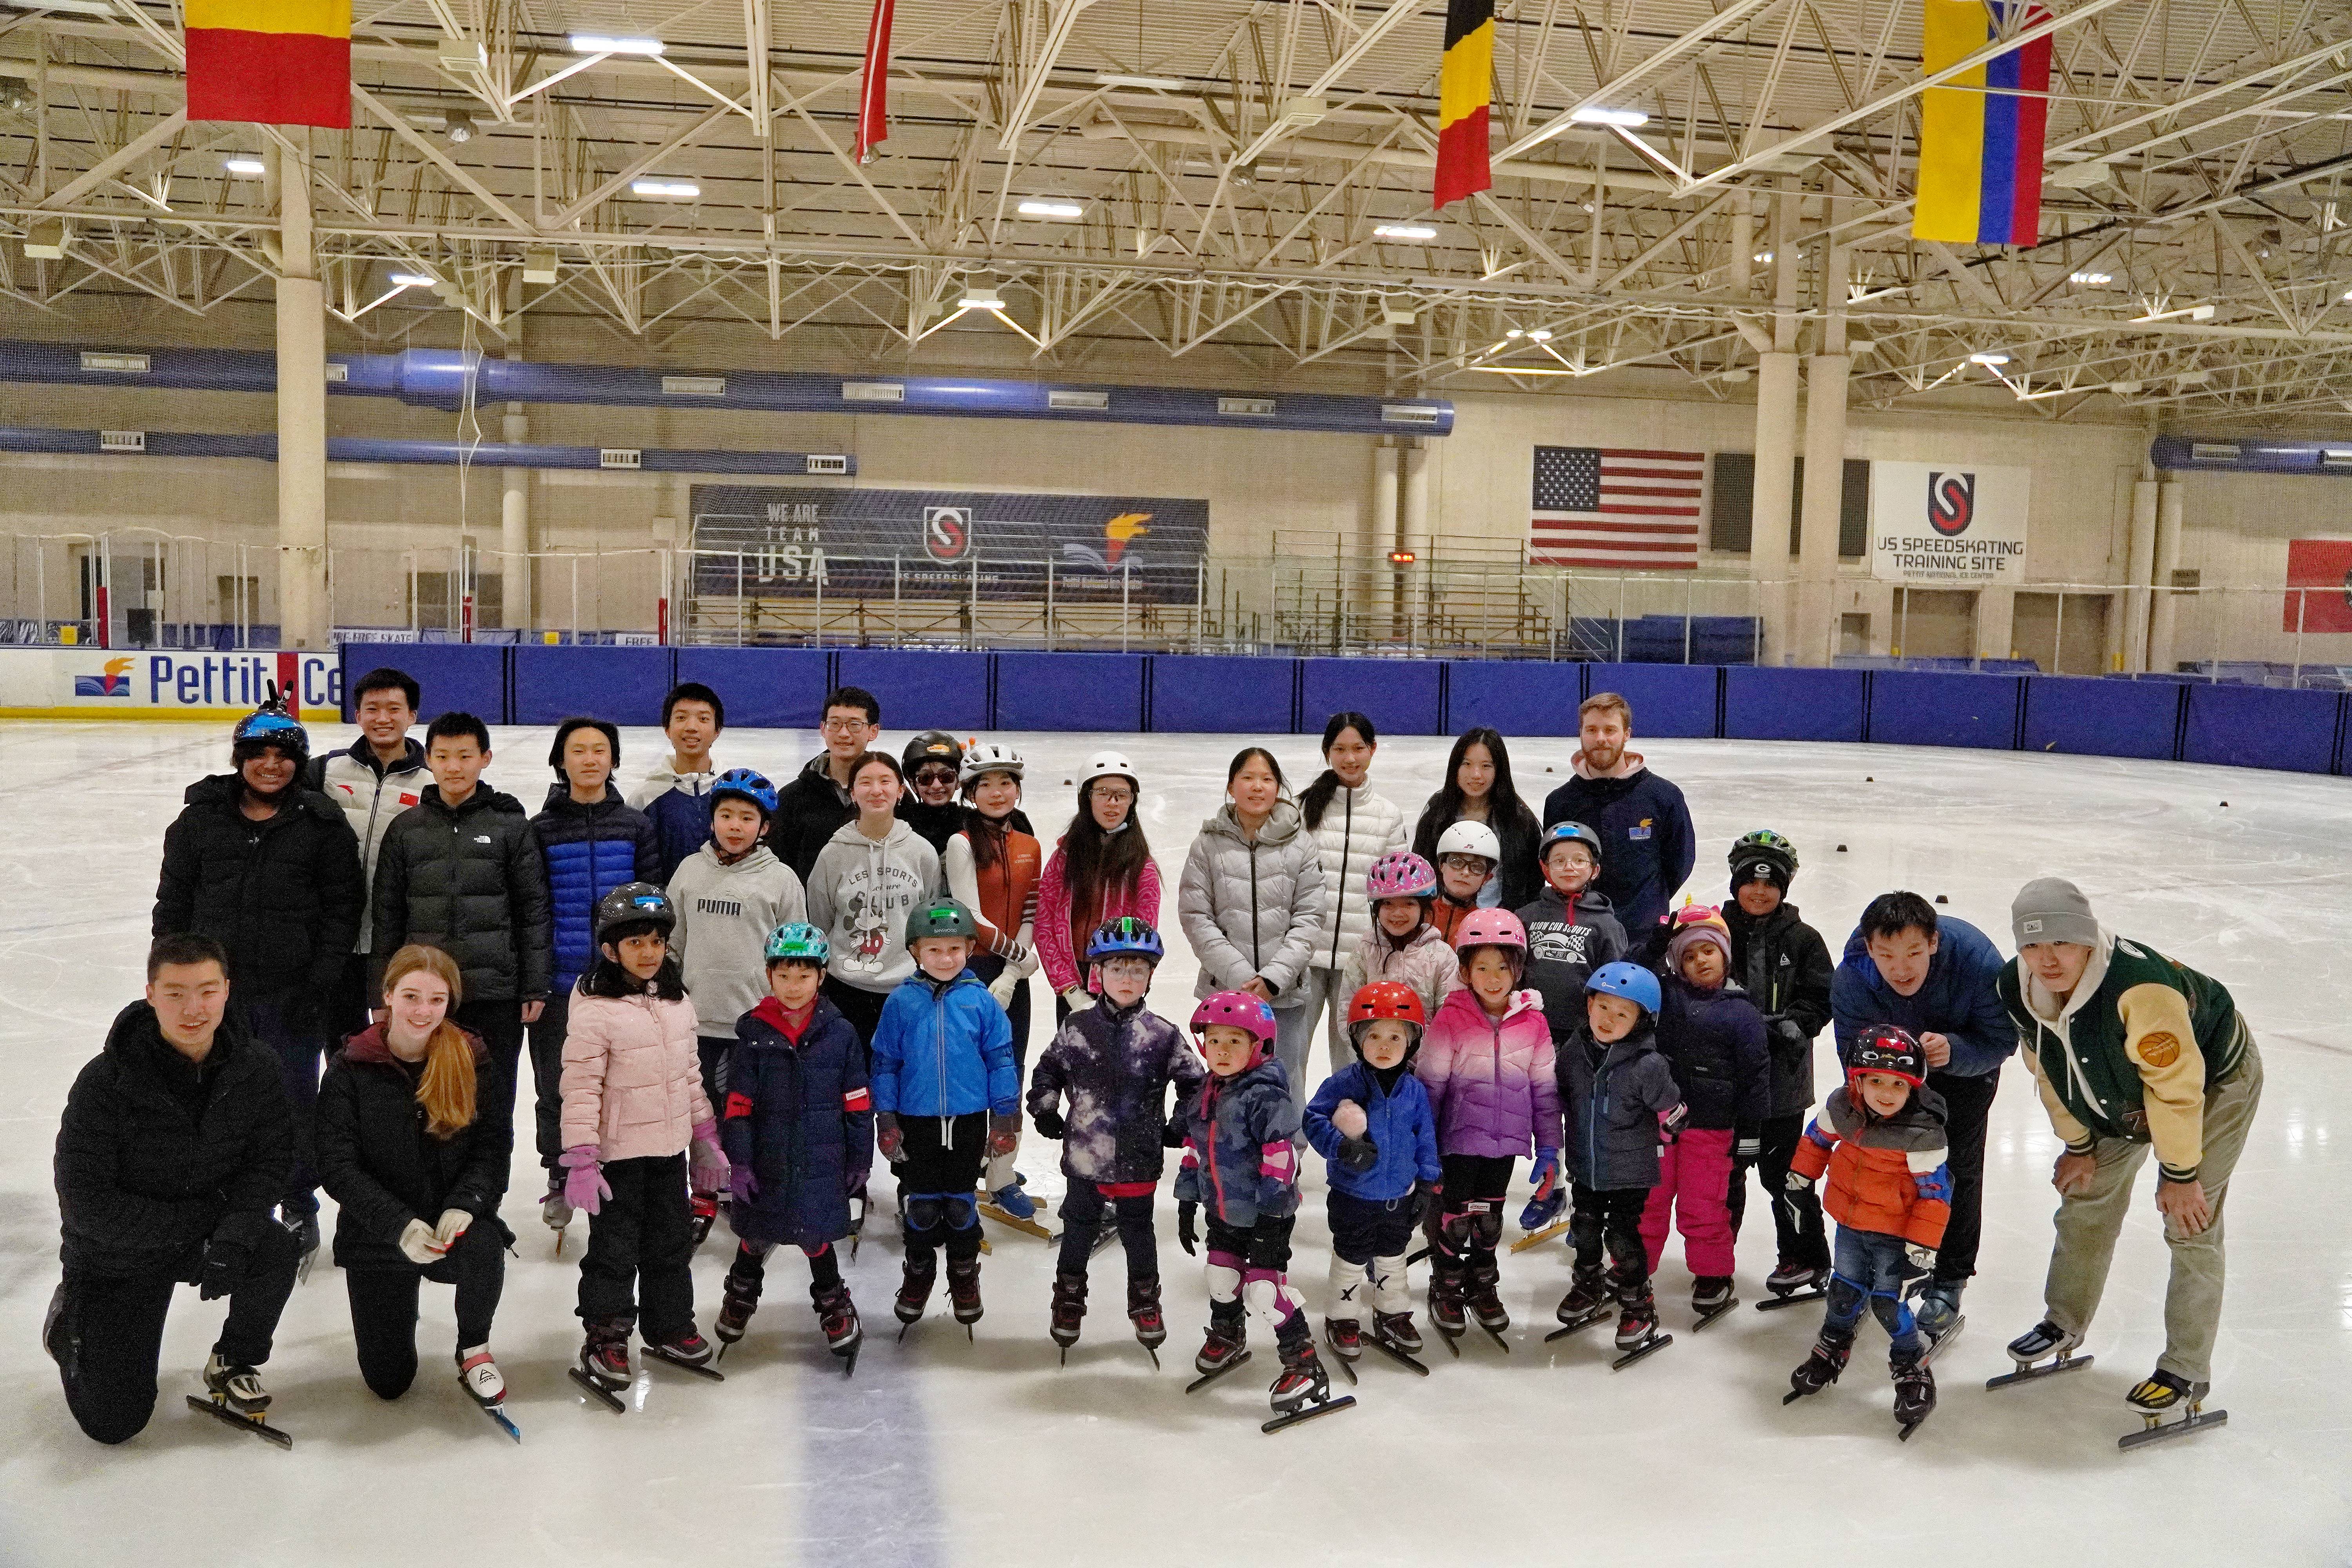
pixel 1154 1355
pixel 849 1360
pixel 1496 1335
pixel 1007 1218
pixel 505 1424
pixel 1576 1325
pixel 1344 1362
pixel 1308 1413
pixel 2157 1429
pixel 1904 1434
pixel 1538 1237
pixel 1936 1342
pixel 1793 1299
pixel 1207 1378
pixel 608 1397
pixel 1650 1346
pixel 302 1269
pixel 1712 1313
pixel 1402 1358
pixel 258 1425
pixel 655 1352
pixel 2030 1372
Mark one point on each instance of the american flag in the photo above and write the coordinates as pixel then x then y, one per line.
pixel 1616 509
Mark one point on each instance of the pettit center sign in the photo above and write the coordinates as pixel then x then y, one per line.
pixel 1959 525
pixel 142 683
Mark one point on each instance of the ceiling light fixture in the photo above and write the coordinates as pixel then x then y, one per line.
pixel 1593 115
pixel 244 165
pixel 1150 83
pixel 682 190
pixel 458 126
pixel 1040 207
pixel 1404 231
pixel 411 280
pixel 597 44
pixel 1540 335
pixel 981 297
pixel 2091 280
pixel 1515 333
pixel 1761 256
pixel 1990 362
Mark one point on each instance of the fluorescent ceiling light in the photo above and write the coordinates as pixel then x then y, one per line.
pixel 1404 231
pixel 1041 207
pixel 1761 256
pixel 244 165
pixel 2091 280
pixel 1540 335
pixel 597 44
pixel 684 189
pixel 1989 360
pixel 1524 370
pixel 1157 83
pixel 982 299
pixel 413 281
pixel 1627 117
pixel 1515 333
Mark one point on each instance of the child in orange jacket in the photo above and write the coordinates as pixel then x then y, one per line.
pixel 1881 1140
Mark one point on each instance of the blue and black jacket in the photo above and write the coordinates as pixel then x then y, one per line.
pixel 589 850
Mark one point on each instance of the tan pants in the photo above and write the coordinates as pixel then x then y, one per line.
pixel 2089 1222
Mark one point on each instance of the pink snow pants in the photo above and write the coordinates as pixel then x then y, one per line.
pixel 1695 1187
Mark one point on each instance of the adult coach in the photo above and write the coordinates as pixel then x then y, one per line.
pixel 1647 844
pixel 811 809
pixel 376 778
pixel 1940 979
pixel 174 1142
pixel 2131 1051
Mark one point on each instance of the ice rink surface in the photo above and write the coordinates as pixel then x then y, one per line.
pixel 944 1452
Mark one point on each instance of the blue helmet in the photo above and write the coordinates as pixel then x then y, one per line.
pixel 1126 937
pixel 799 940
pixel 745 784
pixel 1569 833
pixel 1630 981
pixel 271 725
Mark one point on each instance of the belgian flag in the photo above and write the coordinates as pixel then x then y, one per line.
pixel 1464 88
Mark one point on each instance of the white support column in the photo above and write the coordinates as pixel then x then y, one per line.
pixel 1413 525
pixel 1769 526
pixel 1996 622
pixel 304 613
pixel 2139 570
pixel 1815 637
pixel 514 525
pixel 2162 614
pixel 1384 536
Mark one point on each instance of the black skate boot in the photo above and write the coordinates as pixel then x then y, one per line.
pixel 1226 1345
pixel 1446 1293
pixel 2041 1351
pixel 739 1298
pixel 1395 1331
pixel 1915 1390
pixel 1821 1367
pixel 1303 1391
pixel 1638 1334
pixel 688 1351
pixel 1711 1297
pixel 1486 1296
pixel 1143 1311
pixel 1587 1301
pixel 1345 1336
pixel 915 1291
pixel 836 1317
pixel 964 1290
pixel 1791 1283
pixel 1069 1311
pixel 603 1369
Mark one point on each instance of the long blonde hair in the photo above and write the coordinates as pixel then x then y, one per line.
pixel 446 1089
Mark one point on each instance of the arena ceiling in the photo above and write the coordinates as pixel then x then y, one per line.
pixel 1217 175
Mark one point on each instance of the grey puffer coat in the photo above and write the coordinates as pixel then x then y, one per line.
pixel 1252 907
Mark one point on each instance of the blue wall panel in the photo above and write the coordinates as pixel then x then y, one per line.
pixel 763 687
pixel 454 678
pixel 1398 696
pixel 1667 698
pixel 1761 703
pixel 625 685
pixel 1213 694
pixel 1518 696
pixel 1069 691
pixel 1912 707
pixel 921 689
pixel 2101 717
pixel 2257 727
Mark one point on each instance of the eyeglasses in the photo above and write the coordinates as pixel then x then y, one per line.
pixel 1477 863
pixel 843 726
pixel 1114 796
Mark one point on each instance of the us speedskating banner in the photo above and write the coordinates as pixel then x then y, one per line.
pixel 1953 524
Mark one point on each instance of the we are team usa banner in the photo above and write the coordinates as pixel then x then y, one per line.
pixel 790 541
pixel 1957 525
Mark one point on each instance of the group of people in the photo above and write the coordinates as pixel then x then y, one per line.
pixel 730 995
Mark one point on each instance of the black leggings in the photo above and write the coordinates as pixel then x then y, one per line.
pixel 934 1186
pixel 1611 1218
pixel 749 1272
pixel 862 1007
pixel 1082 1212
pixel 1796 1216
pixel 384 1305
pixel 640 1248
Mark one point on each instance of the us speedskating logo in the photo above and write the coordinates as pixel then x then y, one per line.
pixel 947 532
pixel 1951 502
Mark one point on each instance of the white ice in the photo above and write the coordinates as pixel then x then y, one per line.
pixel 944 1452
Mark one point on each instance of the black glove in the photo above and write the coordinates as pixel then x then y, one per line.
pixel 1049 1124
pixel 1745 1149
pixel 1359 1153
pixel 228 1254
pixel 1187 1236
pixel 1431 1197
pixel 1172 1135
pixel 1791 1034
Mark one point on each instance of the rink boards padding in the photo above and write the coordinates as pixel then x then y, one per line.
pixel 967 693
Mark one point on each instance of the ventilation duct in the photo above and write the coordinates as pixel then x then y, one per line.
pixel 2250 455
pixel 446 454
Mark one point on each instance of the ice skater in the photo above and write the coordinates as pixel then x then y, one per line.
pixel 1353 826
pixel 1401 945
pixel 1101 869
pixel 992 867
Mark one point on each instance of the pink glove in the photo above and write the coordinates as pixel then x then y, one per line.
pixel 706 1162
pixel 585 1187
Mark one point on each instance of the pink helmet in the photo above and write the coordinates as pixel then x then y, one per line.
pixel 1239 1010
pixel 1401 874
pixel 1490 928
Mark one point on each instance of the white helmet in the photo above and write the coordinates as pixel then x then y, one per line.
pixel 1470 839
pixel 991 757
pixel 1104 764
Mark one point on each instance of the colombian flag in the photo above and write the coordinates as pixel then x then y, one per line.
pixel 1464 88
pixel 1980 135
pixel 274 62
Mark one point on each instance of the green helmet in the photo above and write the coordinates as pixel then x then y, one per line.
pixel 940 917
pixel 799 940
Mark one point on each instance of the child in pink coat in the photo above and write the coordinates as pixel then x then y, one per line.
pixel 636 1124
pixel 1487 1065
pixel 1403 946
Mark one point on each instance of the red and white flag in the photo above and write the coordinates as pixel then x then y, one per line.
pixel 873 85
pixel 1616 509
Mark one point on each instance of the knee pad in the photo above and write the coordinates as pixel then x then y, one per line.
pixel 1893 1313
pixel 924 1213
pixel 1225 1280
pixel 962 1211
pixel 1269 1296
pixel 1845 1299
pixel 1454 1229
pixel 1485 1225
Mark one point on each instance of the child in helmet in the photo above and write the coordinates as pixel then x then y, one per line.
pixel 1239 1161
pixel 1403 946
pixel 636 1129
pixel 1371 1122
pixel 1571 928
pixel 1487 1064
pixel 1619 1101
pixel 991 868
pixel 729 894
pixel 933 764
pixel 1881 1140
pixel 1113 1062
pixel 1468 855
pixel 945 1097
pixel 1100 868
pixel 798 1128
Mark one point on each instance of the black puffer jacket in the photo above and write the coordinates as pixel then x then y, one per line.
pixel 154 1152
pixel 382 1168
pixel 808 812
pixel 283 895
pixel 469 882
pixel 1784 966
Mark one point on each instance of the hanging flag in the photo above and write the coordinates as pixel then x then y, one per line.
pixel 270 62
pixel 873 85
pixel 1616 509
pixel 1980 134
pixel 1464 87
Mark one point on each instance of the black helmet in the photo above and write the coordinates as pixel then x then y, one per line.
pixel 271 725
pixel 932 746
pixel 630 906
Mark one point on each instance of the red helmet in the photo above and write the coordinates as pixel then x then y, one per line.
pixel 1238 1010
pixel 1387 999
pixel 1886 1048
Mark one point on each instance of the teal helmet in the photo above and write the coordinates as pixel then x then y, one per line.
pixel 798 939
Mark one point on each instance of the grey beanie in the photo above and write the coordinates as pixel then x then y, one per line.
pixel 2050 909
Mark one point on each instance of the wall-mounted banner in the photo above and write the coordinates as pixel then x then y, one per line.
pixel 1956 524
pixel 785 541
pixel 2319 585
pixel 143 683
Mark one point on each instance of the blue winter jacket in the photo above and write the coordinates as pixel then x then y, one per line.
pixel 1961 1000
pixel 799 1113
pixel 944 1050
pixel 1714 1042
pixel 589 850
pixel 1399 1123
pixel 1228 1128
pixel 1647 843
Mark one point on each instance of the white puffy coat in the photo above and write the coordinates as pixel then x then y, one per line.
pixel 1358 828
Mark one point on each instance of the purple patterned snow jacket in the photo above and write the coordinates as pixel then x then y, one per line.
pixel 1491 1080
pixel 1115 1064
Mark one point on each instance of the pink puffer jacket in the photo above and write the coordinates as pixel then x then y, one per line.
pixel 1490 1079
pixel 632 1081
